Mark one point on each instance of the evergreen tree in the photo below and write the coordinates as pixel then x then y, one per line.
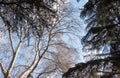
pixel 103 25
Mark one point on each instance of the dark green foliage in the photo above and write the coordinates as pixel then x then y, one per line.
pixel 103 28
pixel 82 70
pixel 101 19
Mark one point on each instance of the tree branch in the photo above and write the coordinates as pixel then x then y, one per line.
pixel 3 69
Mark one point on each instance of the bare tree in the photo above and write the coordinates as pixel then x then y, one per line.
pixel 23 52
pixel 60 56
pixel 60 61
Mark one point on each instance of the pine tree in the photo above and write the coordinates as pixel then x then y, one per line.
pixel 103 26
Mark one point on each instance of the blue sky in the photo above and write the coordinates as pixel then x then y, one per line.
pixel 76 43
pixel 80 4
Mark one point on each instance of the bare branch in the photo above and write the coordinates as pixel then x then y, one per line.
pixel 3 69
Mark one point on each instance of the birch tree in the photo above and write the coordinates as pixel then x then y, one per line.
pixel 27 41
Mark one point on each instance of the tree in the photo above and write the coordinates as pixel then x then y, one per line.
pixel 58 61
pixel 24 51
pixel 103 29
pixel 35 14
pixel 27 18
pixel 54 62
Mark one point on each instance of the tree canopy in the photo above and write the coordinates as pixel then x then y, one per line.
pixel 33 14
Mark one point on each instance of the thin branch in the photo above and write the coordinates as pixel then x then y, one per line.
pixel 3 69
pixel 46 72
pixel 11 43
